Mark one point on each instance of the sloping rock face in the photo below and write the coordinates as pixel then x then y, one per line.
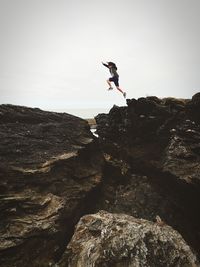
pixel 118 240
pixel 50 168
pixel 158 139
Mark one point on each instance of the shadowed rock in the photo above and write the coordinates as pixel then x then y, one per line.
pixel 50 167
pixel 118 240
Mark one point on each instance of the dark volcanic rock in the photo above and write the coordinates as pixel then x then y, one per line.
pixel 193 107
pixel 50 167
pixel 159 140
pixel 161 136
pixel 118 240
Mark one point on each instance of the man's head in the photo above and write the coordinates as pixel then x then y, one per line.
pixel 111 65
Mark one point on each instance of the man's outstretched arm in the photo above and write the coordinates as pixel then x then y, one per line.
pixel 105 64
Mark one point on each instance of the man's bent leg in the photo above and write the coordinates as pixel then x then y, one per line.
pixel 110 86
pixel 119 89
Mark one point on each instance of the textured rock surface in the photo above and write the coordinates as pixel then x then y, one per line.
pixel 159 140
pixel 50 167
pixel 163 134
pixel 50 175
pixel 118 240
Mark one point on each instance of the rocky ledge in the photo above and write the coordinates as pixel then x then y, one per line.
pixel 50 168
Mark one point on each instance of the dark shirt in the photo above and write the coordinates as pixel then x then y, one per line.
pixel 113 70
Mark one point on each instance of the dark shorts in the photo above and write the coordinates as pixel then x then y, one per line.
pixel 114 79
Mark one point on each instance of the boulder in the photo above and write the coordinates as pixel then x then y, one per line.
pixel 50 168
pixel 104 239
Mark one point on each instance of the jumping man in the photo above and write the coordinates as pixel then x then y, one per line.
pixel 115 77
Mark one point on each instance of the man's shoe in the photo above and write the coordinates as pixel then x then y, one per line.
pixel 110 88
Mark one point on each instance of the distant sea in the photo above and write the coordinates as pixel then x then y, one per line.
pixel 83 113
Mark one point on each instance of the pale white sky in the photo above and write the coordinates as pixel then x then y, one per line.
pixel 51 50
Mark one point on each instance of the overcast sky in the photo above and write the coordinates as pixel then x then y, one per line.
pixel 51 50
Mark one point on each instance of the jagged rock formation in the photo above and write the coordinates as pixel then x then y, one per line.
pixel 50 168
pixel 163 134
pixel 158 139
pixel 145 163
pixel 118 240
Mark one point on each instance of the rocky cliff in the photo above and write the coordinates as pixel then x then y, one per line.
pixel 143 171
pixel 50 168
pixel 153 162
